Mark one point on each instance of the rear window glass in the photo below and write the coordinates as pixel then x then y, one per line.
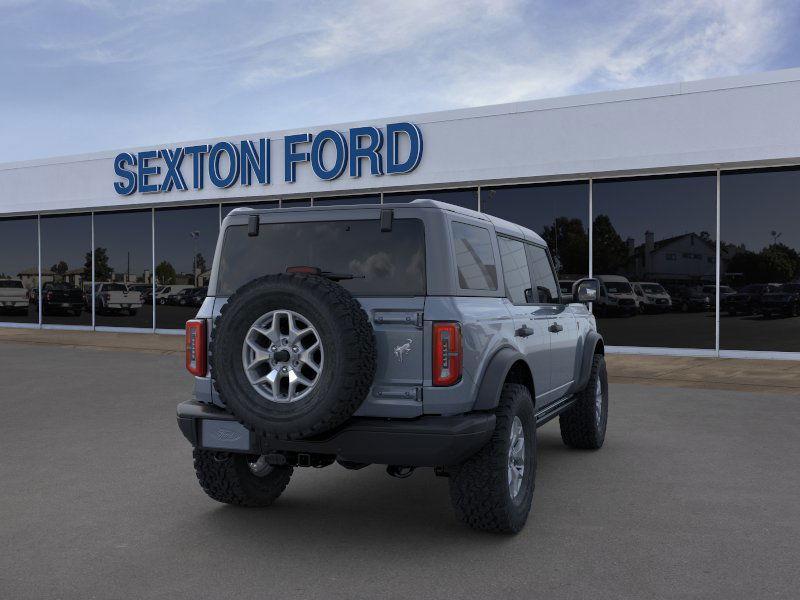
pixel 10 284
pixel 390 263
pixel 474 257
pixel 114 287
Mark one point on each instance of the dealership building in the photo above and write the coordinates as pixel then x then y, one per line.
pixel 684 199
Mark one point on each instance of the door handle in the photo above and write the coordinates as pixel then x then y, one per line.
pixel 523 331
pixel 555 328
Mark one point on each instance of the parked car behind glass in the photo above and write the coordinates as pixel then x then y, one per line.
pixel 784 302
pixel 747 301
pixel 690 299
pixel 652 297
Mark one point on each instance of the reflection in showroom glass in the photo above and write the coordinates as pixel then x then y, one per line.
pixel 654 253
pixel 19 270
pixel 66 269
pixel 760 266
pixel 185 242
pixel 123 267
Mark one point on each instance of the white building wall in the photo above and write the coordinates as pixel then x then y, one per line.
pixel 721 122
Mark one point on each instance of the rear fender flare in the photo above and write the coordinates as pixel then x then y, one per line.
pixel 495 376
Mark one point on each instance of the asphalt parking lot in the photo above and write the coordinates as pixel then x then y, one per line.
pixel 694 496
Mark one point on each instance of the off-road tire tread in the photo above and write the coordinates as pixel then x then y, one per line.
pixel 223 480
pixel 578 425
pixel 360 357
pixel 479 485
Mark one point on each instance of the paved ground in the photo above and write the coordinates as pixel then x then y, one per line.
pixel 694 496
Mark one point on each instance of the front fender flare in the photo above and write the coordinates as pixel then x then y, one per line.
pixel 591 344
pixel 494 376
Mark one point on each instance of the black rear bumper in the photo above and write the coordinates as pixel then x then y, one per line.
pixel 427 441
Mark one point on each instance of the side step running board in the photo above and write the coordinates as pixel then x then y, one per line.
pixel 553 410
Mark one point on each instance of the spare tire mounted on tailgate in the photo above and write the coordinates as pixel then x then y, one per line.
pixel 292 355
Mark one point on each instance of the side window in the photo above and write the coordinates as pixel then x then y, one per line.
pixel 515 271
pixel 542 273
pixel 474 257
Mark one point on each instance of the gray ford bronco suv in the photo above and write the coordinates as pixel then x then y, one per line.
pixel 407 335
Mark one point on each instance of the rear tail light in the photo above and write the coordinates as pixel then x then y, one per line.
pixel 196 347
pixel 446 353
pixel 49 296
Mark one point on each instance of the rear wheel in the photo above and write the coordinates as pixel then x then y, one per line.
pixel 493 490
pixel 583 425
pixel 239 479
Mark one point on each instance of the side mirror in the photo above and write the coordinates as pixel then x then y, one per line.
pixel 585 290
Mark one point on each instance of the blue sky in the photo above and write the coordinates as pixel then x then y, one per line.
pixel 85 75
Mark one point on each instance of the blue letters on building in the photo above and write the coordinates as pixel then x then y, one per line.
pixel 328 153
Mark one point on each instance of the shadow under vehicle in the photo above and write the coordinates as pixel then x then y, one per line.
pixel 783 302
pixel 690 299
pixel 14 297
pixel 616 296
pixel 747 301
pixel 652 297
pixel 62 298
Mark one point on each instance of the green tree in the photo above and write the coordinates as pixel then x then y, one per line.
pixel 165 273
pixel 60 268
pixel 102 270
pixel 610 253
pixel 568 240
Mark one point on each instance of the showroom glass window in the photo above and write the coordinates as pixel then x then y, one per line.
pixel 654 253
pixel 557 212
pixel 467 198
pixel 760 260
pixel 227 208
pixel 123 268
pixel 66 269
pixel 300 203
pixel 347 200
pixel 185 239
pixel 19 270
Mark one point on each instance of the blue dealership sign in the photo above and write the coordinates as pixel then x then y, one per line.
pixel 227 163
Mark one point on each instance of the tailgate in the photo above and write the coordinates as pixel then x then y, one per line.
pixel 399 342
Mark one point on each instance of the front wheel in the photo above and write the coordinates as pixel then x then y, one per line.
pixel 239 479
pixel 493 490
pixel 583 425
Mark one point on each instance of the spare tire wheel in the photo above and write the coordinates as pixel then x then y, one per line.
pixel 292 355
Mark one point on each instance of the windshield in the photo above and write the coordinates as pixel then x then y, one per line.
pixel 618 287
pixel 752 289
pixel 653 288
pixel 388 263
pixel 12 283
pixel 114 287
pixel 726 289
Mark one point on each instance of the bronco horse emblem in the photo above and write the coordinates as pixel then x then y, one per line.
pixel 403 349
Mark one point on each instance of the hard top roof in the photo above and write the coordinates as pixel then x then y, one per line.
pixel 501 225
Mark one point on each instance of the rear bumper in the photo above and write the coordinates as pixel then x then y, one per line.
pixel 427 441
